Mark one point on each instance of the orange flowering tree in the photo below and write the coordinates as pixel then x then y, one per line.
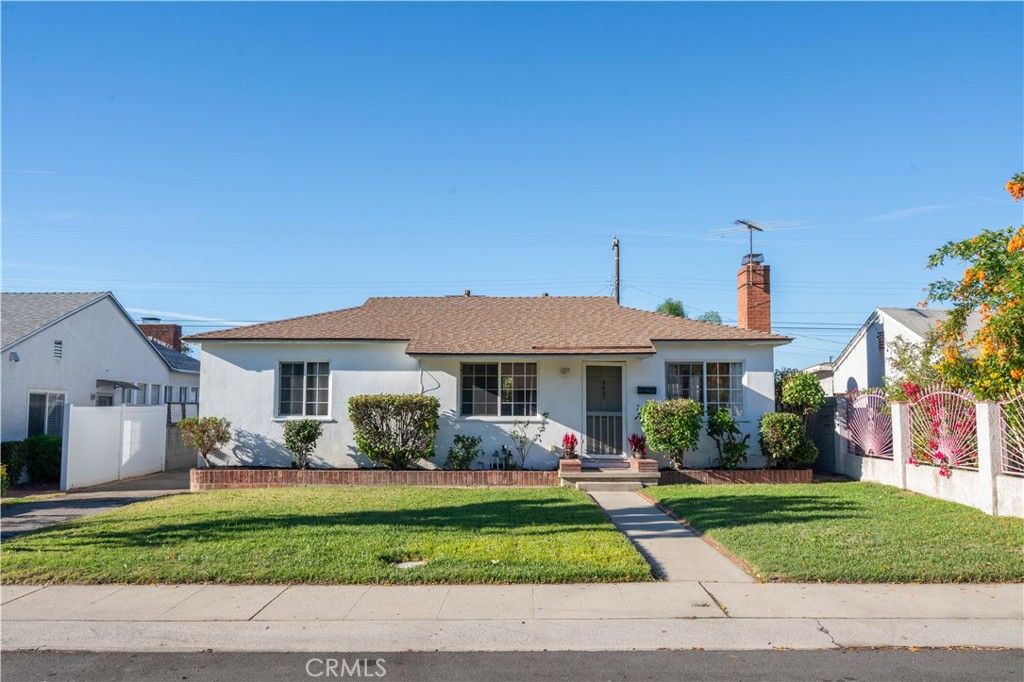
pixel 989 360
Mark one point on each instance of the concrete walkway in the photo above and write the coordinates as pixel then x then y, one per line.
pixel 30 516
pixel 674 551
pixel 611 617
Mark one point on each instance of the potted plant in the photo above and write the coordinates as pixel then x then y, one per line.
pixel 638 444
pixel 569 444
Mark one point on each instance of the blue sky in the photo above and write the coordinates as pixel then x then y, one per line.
pixel 248 162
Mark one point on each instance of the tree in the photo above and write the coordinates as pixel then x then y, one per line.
pixel 205 434
pixel 802 394
pixel 710 316
pixel 671 306
pixel 522 439
pixel 781 375
pixel 914 363
pixel 991 361
pixel 300 437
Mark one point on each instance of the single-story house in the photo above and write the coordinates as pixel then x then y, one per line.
pixel 587 362
pixel 83 349
pixel 866 360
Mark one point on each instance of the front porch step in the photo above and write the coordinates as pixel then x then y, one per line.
pixel 621 479
pixel 608 486
pixel 590 464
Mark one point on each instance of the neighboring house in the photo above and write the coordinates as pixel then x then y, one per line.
pixel 587 362
pixel 82 349
pixel 865 361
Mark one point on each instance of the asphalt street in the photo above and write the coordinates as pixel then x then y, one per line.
pixel 888 665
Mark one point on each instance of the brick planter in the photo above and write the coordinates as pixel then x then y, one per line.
pixel 221 479
pixel 644 465
pixel 722 476
pixel 571 466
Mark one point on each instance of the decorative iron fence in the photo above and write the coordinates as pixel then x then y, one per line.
pixel 869 424
pixel 1011 434
pixel 943 429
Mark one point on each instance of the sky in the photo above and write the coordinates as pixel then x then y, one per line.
pixel 218 164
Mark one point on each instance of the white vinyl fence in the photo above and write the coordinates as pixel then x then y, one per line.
pixel 103 444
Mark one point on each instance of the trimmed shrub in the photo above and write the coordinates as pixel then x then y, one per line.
pixel 12 456
pixel 3 480
pixel 42 455
pixel 802 393
pixel 394 430
pixel 784 441
pixel 463 452
pixel 205 434
pixel 300 439
pixel 732 449
pixel 672 426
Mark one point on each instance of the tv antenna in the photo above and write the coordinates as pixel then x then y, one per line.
pixel 750 227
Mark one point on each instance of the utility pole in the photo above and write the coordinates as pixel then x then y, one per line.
pixel 615 248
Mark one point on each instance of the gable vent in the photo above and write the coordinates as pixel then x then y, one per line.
pixel 58 349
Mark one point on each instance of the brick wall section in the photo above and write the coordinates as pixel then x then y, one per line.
pixel 169 334
pixel 220 479
pixel 716 476
pixel 643 465
pixel 754 290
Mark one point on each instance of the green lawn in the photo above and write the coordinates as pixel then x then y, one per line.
pixel 335 535
pixel 851 532
pixel 28 499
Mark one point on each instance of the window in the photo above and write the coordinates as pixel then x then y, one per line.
pixel 303 389
pixel 183 394
pixel 716 385
pixel 168 394
pixel 58 349
pixel 45 414
pixel 508 389
pixel 140 397
pixel 195 394
pixel 154 394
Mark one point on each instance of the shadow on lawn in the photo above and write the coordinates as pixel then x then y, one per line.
pixel 524 517
pixel 749 510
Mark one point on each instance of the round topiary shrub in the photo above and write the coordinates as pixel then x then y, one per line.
pixel 672 426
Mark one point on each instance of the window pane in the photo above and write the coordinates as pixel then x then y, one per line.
pixel 684 380
pixel 36 413
pixel 55 414
pixel 479 389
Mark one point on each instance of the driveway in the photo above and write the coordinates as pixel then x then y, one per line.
pixel 30 516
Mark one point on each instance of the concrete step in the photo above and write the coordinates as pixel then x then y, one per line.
pixel 608 486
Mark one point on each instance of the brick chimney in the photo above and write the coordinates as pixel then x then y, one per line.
pixel 753 286
pixel 167 334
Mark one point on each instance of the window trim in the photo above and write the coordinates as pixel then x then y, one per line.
pixel 278 417
pixel 499 417
pixel 742 416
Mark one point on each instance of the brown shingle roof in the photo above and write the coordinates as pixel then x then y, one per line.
pixel 485 325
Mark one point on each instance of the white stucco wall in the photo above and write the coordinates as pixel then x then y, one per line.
pixel 239 381
pixel 865 365
pixel 98 343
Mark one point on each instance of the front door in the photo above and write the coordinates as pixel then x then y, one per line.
pixel 604 411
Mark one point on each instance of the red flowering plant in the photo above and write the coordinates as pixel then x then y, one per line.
pixel 569 444
pixel 638 444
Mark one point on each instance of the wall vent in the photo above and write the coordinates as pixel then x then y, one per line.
pixel 58 349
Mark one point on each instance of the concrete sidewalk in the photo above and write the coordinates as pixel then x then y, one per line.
pixel 611 617
pixel 674 551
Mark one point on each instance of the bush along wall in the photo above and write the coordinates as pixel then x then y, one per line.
pixel 394 430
